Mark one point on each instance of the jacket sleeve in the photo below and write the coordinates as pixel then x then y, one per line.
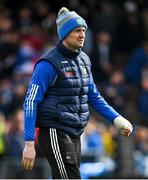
pixel 99 104
pixel 43 76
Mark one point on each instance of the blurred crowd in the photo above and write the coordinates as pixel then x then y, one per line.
pixel 117 43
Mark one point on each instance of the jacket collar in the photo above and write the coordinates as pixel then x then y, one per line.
pixel 67 52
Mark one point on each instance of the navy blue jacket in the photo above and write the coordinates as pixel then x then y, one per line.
pixel 64 105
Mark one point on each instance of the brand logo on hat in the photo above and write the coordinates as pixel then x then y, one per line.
pixel 79 21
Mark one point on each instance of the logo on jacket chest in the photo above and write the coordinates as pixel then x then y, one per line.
pixel 68 72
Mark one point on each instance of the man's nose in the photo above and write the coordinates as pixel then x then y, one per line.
pixel 82 34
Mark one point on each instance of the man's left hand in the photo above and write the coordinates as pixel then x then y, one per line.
pixel 126 132
pixel 123 125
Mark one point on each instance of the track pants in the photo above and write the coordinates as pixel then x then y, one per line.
pixel 62 152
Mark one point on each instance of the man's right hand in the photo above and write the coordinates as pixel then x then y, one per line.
pixel 29 154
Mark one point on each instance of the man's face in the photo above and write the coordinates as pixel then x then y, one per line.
pixel 75 39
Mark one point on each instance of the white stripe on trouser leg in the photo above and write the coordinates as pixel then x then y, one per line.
pixel 57 154
pixel 58 150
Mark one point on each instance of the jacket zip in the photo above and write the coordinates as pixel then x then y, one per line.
pixel 81 85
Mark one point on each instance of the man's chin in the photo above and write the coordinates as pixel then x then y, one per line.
pixel 81 45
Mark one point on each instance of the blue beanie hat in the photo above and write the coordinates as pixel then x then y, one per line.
pixel 67 21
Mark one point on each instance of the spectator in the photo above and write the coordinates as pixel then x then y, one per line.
pixel 14 135
pixel 136 62
pixel 2 133
pixel 115 90
pixel 6 95
pixel 131 28
pixel 143 101
pixel 140 153
pixel 102 56
pixel 92 143
pixel 105 19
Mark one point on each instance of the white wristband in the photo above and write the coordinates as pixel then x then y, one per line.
pixel 122 123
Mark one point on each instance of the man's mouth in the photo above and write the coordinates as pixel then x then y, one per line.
pixel 81 40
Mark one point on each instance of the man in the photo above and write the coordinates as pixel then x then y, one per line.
pixel 57 101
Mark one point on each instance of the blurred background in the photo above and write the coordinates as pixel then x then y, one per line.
pixel 117 43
